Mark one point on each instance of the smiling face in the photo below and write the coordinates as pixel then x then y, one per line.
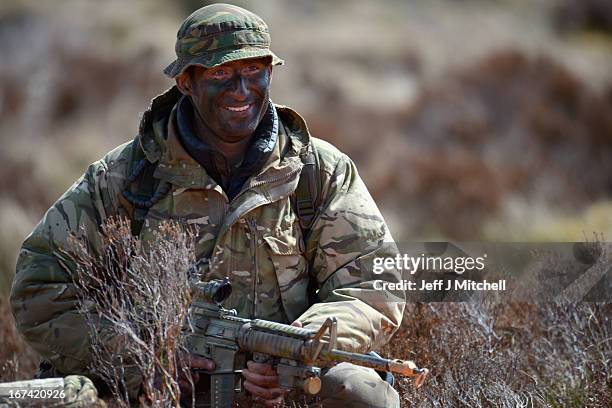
pixel 230 99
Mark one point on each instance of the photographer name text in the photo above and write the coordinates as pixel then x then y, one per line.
pixel 442 284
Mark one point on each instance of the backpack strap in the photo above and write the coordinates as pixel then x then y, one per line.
pixel 308 191
pixel 143 190
pixel 306 199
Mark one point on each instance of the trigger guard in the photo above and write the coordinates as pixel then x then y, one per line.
pixel 261 358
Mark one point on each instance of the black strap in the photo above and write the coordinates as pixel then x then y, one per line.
pixel 307 197
pixel 143 190
pixel 308 190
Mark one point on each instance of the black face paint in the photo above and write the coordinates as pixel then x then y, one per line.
pixel 232 99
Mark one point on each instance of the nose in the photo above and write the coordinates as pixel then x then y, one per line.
pixel 240 91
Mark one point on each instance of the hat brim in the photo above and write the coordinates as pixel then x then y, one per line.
pixel 213 59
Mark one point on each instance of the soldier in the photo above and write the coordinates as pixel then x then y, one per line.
pixel 283 214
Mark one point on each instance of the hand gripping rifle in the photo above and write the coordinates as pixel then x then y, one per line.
pixel 298 354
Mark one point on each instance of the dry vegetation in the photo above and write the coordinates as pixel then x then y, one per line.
pixel 17 360
pixel 487 122
pixel 135 300
pixel 594 15
pixel 487 353
pixel 510 127
pixel 509 355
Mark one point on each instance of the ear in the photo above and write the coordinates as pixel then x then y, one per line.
pixel 270 72
pixel 184 84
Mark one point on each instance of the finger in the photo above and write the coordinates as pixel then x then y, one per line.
pixel 261 380
pixel 184 385
pixel 186 371
pixel 276 402
pixel 184 376
pixel 202 363
pixel 297 323
pixel 265 393
pixel 261 368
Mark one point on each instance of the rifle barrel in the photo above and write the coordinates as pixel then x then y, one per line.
pixel 405 368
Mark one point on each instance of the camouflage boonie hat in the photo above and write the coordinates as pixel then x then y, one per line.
pixel 219 33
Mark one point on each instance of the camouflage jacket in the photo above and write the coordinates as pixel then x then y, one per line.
pixel 255 239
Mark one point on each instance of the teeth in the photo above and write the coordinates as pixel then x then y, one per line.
pixel 237 109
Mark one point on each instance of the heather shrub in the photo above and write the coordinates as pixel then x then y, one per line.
pixel 494 354
pixel 135 298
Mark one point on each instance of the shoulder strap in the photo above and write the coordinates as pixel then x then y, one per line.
pixel 308 191
pixel 307 199
pixel 143 190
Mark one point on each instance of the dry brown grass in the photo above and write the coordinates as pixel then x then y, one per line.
pixel 136 298
pixel 587 15
pixel 508 355
pixel 488 354
pixel 18 361
pixel 509 126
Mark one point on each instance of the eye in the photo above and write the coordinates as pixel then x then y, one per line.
pixel 253 68
pixel 219 73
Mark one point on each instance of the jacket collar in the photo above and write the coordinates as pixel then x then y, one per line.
pixel 261 145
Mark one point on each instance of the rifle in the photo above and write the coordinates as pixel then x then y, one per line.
pixel 298 354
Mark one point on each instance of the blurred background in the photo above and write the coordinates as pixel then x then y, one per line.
pixel 468 119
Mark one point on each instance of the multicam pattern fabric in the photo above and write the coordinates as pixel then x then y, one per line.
pixel 219 33
pixel 255 239
pixel 81 393
pixel 348 385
